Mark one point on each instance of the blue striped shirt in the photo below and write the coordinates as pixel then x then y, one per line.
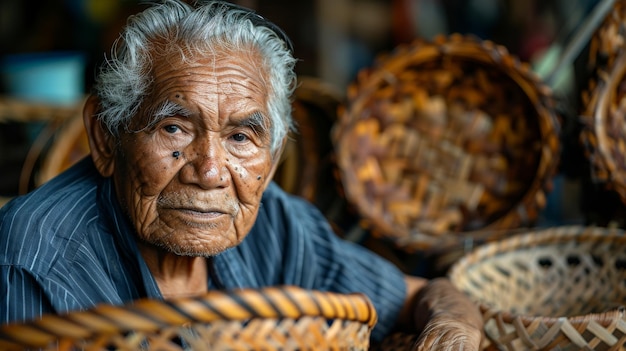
pixel 68 246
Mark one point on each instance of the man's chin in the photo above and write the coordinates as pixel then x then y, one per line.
pixel 190 252
pixel 198 249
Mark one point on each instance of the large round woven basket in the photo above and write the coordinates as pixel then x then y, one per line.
pixel 276 318
pixel 444 140
pixel 560 288
pixel 604 103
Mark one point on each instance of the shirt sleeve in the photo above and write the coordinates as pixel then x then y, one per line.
pixel 22 298
pixel 330 263
pixel 349 267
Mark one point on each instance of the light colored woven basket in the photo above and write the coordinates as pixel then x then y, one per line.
pixel 275 318
pixel 604 103
pixel 559 288
pixel 440 141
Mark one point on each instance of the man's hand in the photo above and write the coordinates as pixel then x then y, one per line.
pixel 446 318
pixel 444 333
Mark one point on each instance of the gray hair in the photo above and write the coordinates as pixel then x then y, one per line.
pixel 124 81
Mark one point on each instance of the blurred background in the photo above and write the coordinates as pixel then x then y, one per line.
pixel 64 41
pixel 333 38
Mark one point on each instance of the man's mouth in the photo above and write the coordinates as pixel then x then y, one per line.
pixel 200 212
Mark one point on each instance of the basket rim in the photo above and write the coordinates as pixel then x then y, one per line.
pixel 539 236
pixel 603 318
pixel 467 48
pixel 149 315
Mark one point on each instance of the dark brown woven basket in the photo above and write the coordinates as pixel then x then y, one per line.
pixel 440 141
pixel 276 318
pixel 559 288
pixel 604 103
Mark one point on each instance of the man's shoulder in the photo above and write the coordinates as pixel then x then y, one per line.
pixel 69 189
pixel 51 213
pixel 275 196
pixel 290 214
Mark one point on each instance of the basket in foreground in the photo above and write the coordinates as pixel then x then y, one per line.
pixel 276 318
pixel 443 140
pixel 552 289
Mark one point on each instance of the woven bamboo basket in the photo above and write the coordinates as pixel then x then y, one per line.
pixel 604 103
pixel 447 140
pixel 275 318
pixel 559 288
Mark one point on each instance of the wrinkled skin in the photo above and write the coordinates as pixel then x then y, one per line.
pixel 192 182
pixel 206 199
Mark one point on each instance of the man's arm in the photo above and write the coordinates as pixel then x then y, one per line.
pixel 22 298
pixel 444 317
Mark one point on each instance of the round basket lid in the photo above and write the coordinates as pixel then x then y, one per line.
pixel 447 139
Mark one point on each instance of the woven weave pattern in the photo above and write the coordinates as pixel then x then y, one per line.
pixel 552 289
pixel 278 318
pixel 446 137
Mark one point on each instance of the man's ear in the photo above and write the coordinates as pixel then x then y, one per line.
pixel 101 142
pixel 276 157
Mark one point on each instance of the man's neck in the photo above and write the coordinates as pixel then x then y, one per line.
pixel 176 276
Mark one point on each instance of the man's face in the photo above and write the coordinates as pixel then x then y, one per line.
pixel 192 182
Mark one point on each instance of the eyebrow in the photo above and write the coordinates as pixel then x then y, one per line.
pixel 256 121
pixel 165 109
pixel 169 108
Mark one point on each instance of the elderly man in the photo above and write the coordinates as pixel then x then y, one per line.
pixel 186 126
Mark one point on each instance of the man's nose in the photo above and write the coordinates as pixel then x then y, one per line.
pixel 206 166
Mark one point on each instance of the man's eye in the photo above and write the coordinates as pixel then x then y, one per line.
pixel 171 128
pixel 239 137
